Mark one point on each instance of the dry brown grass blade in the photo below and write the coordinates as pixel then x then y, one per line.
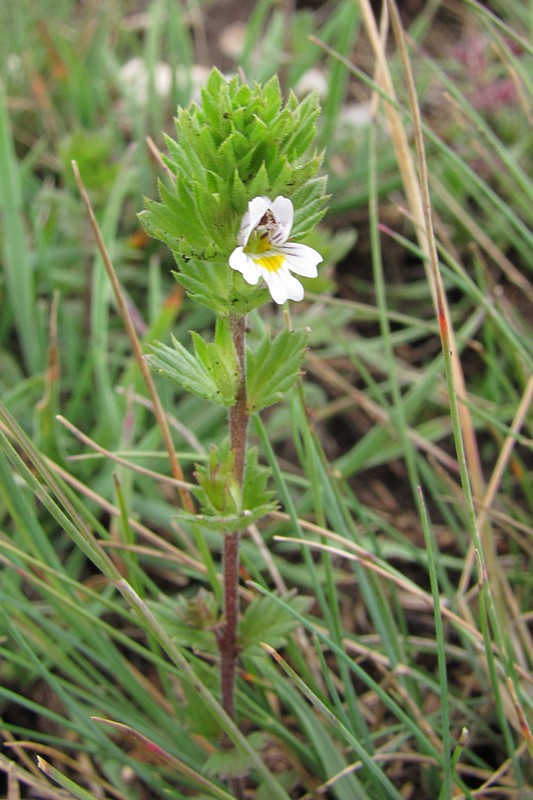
pixel 159 413
pixel 416 185
pixel 183 430
pixel 26 778
pixel 156 153
pixel 13 788
pixel 416 188
pixel 108 454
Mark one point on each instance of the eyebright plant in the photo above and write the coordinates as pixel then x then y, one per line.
pixel 236 248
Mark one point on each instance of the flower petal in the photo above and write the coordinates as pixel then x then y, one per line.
pixel 257 208
pixel 283 286
pixel 242 263
pixel 283 212
pixel 301 259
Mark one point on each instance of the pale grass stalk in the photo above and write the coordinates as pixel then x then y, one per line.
pixel 108 454
pixel 471 474
pixel 486 531
pixel 19 748
pixel 13 789
pixel 417 711
pixel 183 430
pixel 180 766
pixel 80 765
pixel 417 193
pixel 32 777
pixel 490 781
pixel 324 711
pixel 522 719
pixel 156 153
pixel 177 472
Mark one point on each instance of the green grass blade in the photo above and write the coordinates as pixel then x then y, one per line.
pixel 19 274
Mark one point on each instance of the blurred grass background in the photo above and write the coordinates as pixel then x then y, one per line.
pixel 395 580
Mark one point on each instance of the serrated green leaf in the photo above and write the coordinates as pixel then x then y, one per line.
pixel 310 206
pixel 186 370
pixel 219 360
pixel 260 183
pixel 272 98
pixel 239 192
pixel 215 82
pixel 224 505
pixel 229 523
pixel 267 621
pixel 280 174
pixel 218 492
pixel 187 162
pixel 255 492
pixel 274 367
pixel 189 621
pixel 231 763
pixel 197 289
pixel 299 142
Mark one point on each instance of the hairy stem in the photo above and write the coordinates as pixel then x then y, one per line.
pixel 238 426
pixel 228 638
pixel 238 414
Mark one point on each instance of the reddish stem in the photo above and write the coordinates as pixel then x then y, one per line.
pixel 228 638
pixel 238 414
pixel 238 426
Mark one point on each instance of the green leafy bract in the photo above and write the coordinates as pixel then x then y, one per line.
pixel 210 373
pixel 267 621
pixel 223 504
pixel 274 367
pixel 190 621
pixel 234 762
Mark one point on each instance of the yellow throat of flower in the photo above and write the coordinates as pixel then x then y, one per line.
pixel 259 243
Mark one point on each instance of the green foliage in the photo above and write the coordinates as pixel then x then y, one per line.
pixel 224 505
pixel 403 646
pixel 18 281
pixel 209 373
pixel 73 788
pixel 189 621
pixel 273 367
pixel 92 151
pixel 264 620
pixel 240 143
pixel 234 762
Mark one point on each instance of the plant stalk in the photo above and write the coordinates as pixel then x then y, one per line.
pixel 238 414
pixel 238 427
pixel 227 641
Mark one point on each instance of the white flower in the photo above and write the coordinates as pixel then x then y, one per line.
pixel 265 252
